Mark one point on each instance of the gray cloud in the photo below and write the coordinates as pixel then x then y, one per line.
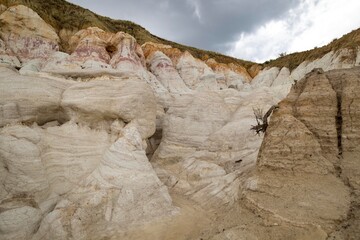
pixel 206 24
pixel 312 23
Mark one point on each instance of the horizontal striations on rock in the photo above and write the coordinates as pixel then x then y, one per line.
pixel 305 156
pixel 318 96
pixel 99 103
pixel 203 138
pixel 117 140
pixel 118 190
pixel 346 87
pixel 292 147
pixel 30 99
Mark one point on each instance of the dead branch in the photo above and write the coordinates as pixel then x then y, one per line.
pixel 262 120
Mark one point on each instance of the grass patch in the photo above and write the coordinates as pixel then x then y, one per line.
pixel 291 61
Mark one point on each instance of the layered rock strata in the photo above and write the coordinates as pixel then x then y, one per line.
pixel 302 174
pixel 120 141
pixel 77 157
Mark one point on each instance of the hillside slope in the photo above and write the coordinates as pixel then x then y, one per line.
pixel 67 17
pixel 350 41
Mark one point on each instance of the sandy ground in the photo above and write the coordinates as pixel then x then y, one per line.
pixel 241 222
pixel 194 223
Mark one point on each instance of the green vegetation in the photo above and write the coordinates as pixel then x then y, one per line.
pixel 350 41
pixel 64 15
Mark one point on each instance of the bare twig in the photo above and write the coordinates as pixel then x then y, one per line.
pixel 262 120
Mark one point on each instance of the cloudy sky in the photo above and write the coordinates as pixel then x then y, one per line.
pixel 256 30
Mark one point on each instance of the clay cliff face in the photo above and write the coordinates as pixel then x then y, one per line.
pixel 120 141
pixel 303 175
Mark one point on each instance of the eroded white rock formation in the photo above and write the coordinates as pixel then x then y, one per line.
pixel 117 140
pixel 26 34
pixel 95 163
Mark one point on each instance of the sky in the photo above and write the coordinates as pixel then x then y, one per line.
pixel 256 30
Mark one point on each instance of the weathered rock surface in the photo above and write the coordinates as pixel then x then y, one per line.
pixel 97 52
pixel 301 175
pixel 26 34
pixel 91 170
pixel 229 74
pixel 114 140
pixel 7 57
pixel 173 53
pixel 162 67
pixel 266 77
pixel 282 77
pixel 196 74
pixel 343 58
pixel 121 190
pixel 99 103
pixel 206 143
pixel 29 99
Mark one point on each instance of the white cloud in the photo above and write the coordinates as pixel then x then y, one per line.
pixel 196 9
pixel 312 23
